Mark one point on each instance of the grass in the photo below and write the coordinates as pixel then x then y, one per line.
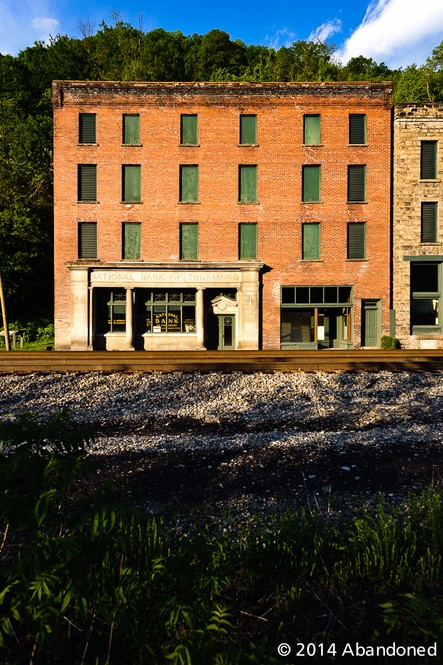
pixel 38 335
pixel 95 580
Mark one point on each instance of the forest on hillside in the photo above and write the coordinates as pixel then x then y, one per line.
pixel 122 52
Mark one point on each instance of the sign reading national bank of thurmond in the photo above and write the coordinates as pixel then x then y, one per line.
pixel 135 277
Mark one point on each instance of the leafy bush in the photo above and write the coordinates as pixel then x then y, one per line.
pixel 388 342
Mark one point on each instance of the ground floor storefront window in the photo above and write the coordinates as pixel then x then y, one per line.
pixel 316 316
pixel 170 311
pixel 426 297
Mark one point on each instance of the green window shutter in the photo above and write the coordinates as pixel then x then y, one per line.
pixel 189 129
pixel 248 184
pixel 247 242
pixel 87 182
pixel 357 183
pixel 311 183
pixel 189 183
pixel 311 242
pixel 429 222
pixel 428 160
pixel 131 129
pixel 189 242
pixel 87 128
pixel 248 129
pixel 132 183
pixel 311 130
pixel 87 240
pixel 357 240
pixel 357 128
pixel 131 240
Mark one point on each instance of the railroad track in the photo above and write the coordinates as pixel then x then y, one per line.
pixel 220 361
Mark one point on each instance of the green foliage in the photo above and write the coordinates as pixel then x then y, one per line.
pixel 388 342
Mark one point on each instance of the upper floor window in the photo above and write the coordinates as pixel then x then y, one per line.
pixel 189 183
pixel 357 129
pixel 311 242
pixel 189 242
pixel 131 240
pixel 248 129
pixel 131 129
pixel 429 221
pixel 428 160
pixel 87 182
pixel 189 129
pixel 131 183
pixel 311 129
pixel 357 183
pixel 311 183
pixel 357 240
pixel 87 128
pixel 247 183
pixel 87 240
pixel 247 241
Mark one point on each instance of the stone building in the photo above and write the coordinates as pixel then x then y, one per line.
pixel 417 233
pixel 221 215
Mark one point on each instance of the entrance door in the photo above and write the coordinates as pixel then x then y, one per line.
pixel 226 332
pixel 371 322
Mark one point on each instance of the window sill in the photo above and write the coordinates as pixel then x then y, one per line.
pixel 312 260
pixel 94 145
pixel 132 145
pixel 359 203
pixel 431 180
pixel 248 145
pixel 426 330
pixel 189 145
pixel 93 202
pixel 192 203
pixel 432 243
pixel 358 145
pixel 130 203
pixel 311 202
pixel 248 203
pixel 312 145
pixel 356 260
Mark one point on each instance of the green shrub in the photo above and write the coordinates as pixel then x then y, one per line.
pixel 388 342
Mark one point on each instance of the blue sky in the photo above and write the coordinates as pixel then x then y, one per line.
pixel 397 32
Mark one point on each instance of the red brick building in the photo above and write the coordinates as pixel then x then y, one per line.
pixel 221 215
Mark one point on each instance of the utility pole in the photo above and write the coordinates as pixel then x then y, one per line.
pixel 4 317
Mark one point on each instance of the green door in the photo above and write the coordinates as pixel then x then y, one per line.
pixel 371 323
pixel 226 332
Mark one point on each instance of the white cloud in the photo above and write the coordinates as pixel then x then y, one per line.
pixel 397 32
pixel 45 28
pixel 325 30
pixel 23 23
pixel 281 37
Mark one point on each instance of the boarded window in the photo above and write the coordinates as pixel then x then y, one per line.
pixel 247 242
pixel 311 130
pixel 357 183
pixel 311 183
pixel 87 240
pixel 189 242
pixel 311 242
pixel 429 222
pixel 357 128
pixel 87 128
pixel 357 240
pixel 189 129
pixel 131 129
pixel 131 240
pixel 131 183
pixel 428 160
pixel 248 129
pixel 87 182
pixel 247 184
pixel 189 183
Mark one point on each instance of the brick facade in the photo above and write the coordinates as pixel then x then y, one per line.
pixel 417 247
pixel 279 211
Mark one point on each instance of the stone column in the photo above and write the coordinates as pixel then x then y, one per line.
pixel 248 306
pixel 79 309
pixel 129 319
pixel 200 318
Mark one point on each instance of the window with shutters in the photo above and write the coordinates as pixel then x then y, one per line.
pixel 247 241
pixel 131 129
pixel 189 129
pixel 189 183
pixel 429 221
pixel 189 242
pixel 87 240
pixel 311 129
pixel 311 242
pixel 357 240
pixel 247 183
pixel 248 129
pixel 428 160
pixel 87 182
pixel 357 129
pixel 357 183
pixel 311 183
pixel 131 183
pixel 87 128
pixel 131 232
pixel 426 296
